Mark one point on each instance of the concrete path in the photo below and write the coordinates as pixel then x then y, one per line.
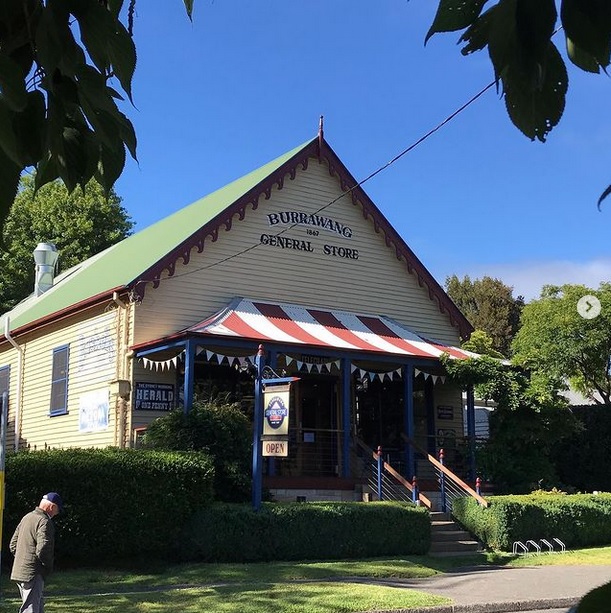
pixel 508 590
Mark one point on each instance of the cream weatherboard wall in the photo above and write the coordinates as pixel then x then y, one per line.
pixel 10 359
pixel 354 271
pixel 94 417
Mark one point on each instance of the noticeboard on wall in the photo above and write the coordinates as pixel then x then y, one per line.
pixel 445 411
pixel 154 396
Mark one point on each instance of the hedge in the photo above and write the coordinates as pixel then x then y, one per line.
pixel 578 520
pixel 119 504
pixel 306 531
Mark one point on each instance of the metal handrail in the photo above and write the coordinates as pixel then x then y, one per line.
pixel 456 483
pixel 388 470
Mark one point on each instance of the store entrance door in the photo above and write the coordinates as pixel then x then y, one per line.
pixel 318 420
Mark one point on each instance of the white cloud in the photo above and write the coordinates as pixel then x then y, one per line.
pixel 527 278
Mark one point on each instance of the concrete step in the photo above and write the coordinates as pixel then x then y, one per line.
pixel 449 539
pixel 462 546
pixel 450 535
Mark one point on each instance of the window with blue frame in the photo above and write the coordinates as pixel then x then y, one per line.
pixel 59 381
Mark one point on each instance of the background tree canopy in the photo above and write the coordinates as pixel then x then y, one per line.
pixel 79 224
pixel 558 345
pixel 489 306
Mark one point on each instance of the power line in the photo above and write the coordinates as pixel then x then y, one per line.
pixel 350 190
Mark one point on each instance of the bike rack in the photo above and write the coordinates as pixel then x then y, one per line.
pixel 524 548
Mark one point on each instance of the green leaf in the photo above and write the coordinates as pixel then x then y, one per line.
pixel 46 171
pixel 30 128
pixel 112 162
pixel 603 196
pixel 50 38
pixel 537 110
pixel 8 138
pixel 9 182
pixel 189 7
pixel 477 35
pixel 108 43
pixel 122 54
pixel 580 58
pixel 502 37
pixel 588 24
pixel 454 15
pixel 96 25
pixel 12 83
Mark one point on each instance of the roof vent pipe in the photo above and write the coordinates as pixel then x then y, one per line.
pixel 45 256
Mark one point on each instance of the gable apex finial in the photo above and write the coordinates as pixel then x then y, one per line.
pixel 320 135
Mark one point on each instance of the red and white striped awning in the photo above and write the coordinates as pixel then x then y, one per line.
pixel 294 324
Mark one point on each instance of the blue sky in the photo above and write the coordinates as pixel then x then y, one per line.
pixel 247 81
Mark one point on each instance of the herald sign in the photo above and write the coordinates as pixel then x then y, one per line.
pixel 275 448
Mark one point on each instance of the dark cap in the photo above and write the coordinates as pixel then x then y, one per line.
pixel 55 498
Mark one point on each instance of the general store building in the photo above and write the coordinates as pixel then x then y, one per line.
pixel 294 257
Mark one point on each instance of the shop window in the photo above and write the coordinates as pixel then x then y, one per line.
pixel 59 381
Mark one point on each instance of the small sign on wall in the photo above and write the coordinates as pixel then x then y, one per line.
pixel 94 411
pixel 154 397
pixel 276 448
pixel 445 411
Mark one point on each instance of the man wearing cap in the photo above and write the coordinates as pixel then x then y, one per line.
pixel 33 546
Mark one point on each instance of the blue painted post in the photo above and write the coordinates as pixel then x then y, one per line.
pixel 408 402
pixel 346 405
pixel 257 429
pixel 380 469
pixel 415 492
pixel 189 380
pixel 442 484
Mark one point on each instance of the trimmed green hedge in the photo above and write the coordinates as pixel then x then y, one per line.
pixel 579 520
pixel 119 504
pixel 306 531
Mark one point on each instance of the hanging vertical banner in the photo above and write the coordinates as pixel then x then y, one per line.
pixel 276 406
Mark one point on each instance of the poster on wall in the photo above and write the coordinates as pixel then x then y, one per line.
pixel 445 411
pixel 154 397
pixel 94 411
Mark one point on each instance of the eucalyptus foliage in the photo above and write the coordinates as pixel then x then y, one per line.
pixel 557 344
pixel 62 64
pixel 489 306
pixel 528 68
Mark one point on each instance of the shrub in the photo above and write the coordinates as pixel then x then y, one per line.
pixel 219 428
pixel 119 504
pixel 579 520
pixel 302 531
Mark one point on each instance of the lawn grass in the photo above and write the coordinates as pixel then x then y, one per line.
pixel 323 597
pixel 305 587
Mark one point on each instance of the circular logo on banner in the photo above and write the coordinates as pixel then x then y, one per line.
pixel 276 412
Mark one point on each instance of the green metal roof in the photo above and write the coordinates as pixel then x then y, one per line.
pixel 122 264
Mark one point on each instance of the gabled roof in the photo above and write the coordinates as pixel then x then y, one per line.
pixel 141 258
